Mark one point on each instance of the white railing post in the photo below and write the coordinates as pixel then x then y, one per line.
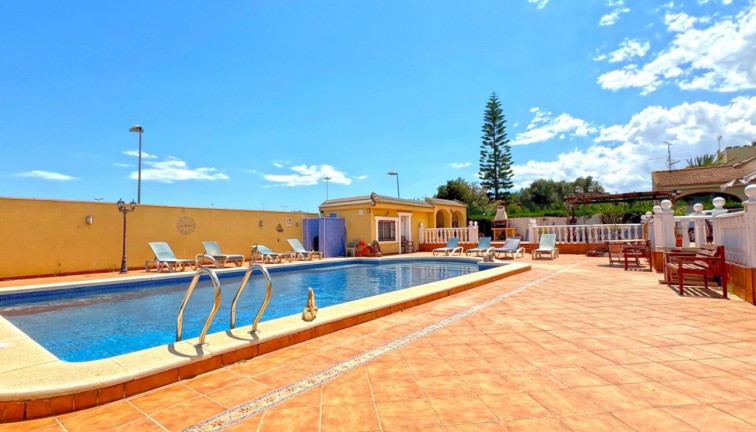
pixel 664 224
pixel 749 208
pixel 719 209
pixel 532 231
pixel 421 234
pixel 700 225
pixel 472 229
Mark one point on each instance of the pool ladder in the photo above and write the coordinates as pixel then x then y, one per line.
pixel 217 298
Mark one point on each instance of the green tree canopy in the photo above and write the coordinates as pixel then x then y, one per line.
pixel 706 160
pixel 495 153
pixel 469 193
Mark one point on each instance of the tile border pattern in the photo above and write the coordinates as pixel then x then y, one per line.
pixel 248 409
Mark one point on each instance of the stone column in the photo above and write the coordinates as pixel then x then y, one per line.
pixel 664 225
pixel 749 206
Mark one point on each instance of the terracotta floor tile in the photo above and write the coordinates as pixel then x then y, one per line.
pixel 281 376
pixel 430 368
pixel 164 397
pixel 618 374
pixel 250 424
pixel 611 398
pixel 441 386
pixel 476 427
pixel 388 370
pixel 186 414
pixel 653 420
pixel 238 393
pixel 530 381
pixel 489 384
pixel 312 363
pixel 704 391
pixel 254 367
pixel 577 377
pixel 105 417
pixel 472 366
pixel 460 352
pixel 396 390
pixel 351 389
pixel 596 423
pixel 658 372
pixel 406 414
pixel 461 410
pixel 212 381
pixel 303 419
pixel 561 402
pixel 350 418
pixel 547 424
pixel 622 357
pixel 706 417
pixel 656 394
pixel 696 369
pixel 512 406
pixel 691 352
pixel 142 425
pixel 309 398
pixel 48 423
pixel 657 354
pixel 744 410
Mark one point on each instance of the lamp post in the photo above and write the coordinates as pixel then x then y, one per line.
pixel 137 128
pixel 394 173
pixel 326 180
pixel 125 208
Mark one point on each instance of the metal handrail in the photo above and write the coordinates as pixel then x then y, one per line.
pixel 268 288
pixel 189 291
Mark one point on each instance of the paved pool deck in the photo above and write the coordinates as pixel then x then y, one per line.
pixel 571 345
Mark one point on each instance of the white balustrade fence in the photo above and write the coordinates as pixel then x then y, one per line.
pixel 597 233
pixel 466 235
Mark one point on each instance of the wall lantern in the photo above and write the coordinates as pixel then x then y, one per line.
pixel 89 219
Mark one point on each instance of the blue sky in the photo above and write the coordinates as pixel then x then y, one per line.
pixel 251 104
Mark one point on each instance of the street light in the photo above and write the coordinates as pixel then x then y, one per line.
pixel 394 173
pixel 137 128
pixel 125 208
pixel 326 180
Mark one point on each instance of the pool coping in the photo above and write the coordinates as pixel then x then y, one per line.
pixel 38 384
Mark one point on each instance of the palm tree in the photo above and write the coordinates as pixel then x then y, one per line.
pixel 706 160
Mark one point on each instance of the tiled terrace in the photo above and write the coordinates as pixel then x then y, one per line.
pixel 577 346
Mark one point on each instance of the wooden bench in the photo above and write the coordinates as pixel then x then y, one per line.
pixel 708 261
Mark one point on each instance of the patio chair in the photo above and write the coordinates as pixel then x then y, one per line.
pixel 266 255
pixel 300 252
pixel 164 256
pixel 615 253
pixel 484 244
pixel 547 245
pixel 510 249
pixel 212 249
pixel 452 247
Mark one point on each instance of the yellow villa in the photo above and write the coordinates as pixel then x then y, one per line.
pixel 395 223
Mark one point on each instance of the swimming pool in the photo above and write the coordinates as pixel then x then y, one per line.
pixel 90 323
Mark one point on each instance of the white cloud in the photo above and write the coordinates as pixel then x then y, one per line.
pixel 124 165
pixel 612 17
pixel 135 153
pixel 308 175
pixel 544 127
pixel 172 170
pixel 540 4
pixel 459 165
pixel 717 58
pixel 623 156
pixel 679 22
pixel 362 177
pixel 46 175
pixel 628 49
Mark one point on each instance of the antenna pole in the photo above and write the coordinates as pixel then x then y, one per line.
pixel 719 144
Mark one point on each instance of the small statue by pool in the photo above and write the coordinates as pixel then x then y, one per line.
pixel 310 311
pixel 488 256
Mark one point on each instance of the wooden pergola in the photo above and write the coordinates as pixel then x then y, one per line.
pixel 598 198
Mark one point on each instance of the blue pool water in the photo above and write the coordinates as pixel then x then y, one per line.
pixel 100 322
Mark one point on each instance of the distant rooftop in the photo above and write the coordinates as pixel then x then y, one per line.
pixel 374 198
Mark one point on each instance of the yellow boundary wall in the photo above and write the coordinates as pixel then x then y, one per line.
pixel 52 237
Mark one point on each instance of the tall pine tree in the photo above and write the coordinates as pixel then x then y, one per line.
pixel 495 153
